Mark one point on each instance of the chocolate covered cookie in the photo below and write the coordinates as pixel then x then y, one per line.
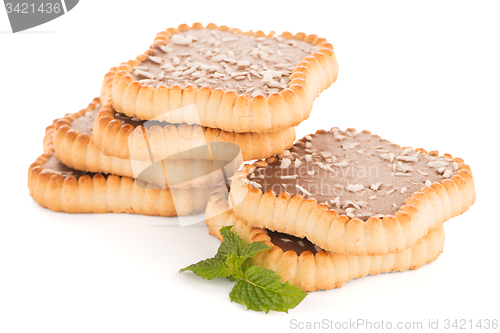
pixel 308 266
pixel 116 134
pixel 353 192
pixel 237 81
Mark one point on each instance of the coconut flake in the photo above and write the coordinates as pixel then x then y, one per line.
pixel 350 145
pixel 289 177
pixel 406 151
pixel 250 182
pixel 438 164
pixel 407 158
pixel 447 173
pixel 182 40
pixel 158 60
pixel 243 63
pixel 339 136
pixel 401 174
pixel 302 189
pixel 166 48
pixel 355 187
pixel 285 163
pixel 350 203
pixel 388 156
pixel 336 202
pixel 341 164
pixel 422 172
pixel 144 73
pixel 362 203
pixel 325 167
pixel 390 191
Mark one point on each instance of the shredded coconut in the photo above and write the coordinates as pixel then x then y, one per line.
pixel 355 187
pixel 302 189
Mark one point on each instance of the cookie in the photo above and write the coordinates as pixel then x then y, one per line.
pixel 307 266
pixel 71 136
pixel 235 81
pixel 62 189
pixel 353 193
pixel 114 133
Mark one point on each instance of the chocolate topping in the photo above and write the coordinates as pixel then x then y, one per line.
pixel 287 242
pixel 245 64
pixel 357 174
pixel 133 121
pixel 85 123
pixel 56 166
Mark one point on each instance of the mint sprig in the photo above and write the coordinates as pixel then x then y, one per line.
pixel 259 288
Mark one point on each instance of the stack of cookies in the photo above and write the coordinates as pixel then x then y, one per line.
pixel 340 205
pixel 176 122
pixel 173 125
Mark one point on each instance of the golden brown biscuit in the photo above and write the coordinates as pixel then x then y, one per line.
pixel 55 186
pixel 309 267
pixel 237 81
pixel 71 135
pixel 114 133
pixel 61 189
pixel 323 190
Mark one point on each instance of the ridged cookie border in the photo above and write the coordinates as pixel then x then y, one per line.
pixel 323 270
pixel 100 194
pixel 218 108
pixel 422 211
pixel 111 194
pixel 75 150
pixel 112 138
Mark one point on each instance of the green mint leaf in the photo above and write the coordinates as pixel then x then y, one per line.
pixel 231 243
pixel 234 262
pixel 252 249
pixel 209 269
pixel 261 290
pixel 258 288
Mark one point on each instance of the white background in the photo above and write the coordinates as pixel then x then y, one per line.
pixel 421 74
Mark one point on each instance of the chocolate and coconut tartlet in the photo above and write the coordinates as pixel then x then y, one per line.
pixel 72 142
pixel 309 267
pixel 238 81
pixel 353 193
pixel 116 134
pixel 59 188
pixel 76 177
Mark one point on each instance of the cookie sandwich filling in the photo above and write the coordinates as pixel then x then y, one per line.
pixel 85 123
pixel 291 243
